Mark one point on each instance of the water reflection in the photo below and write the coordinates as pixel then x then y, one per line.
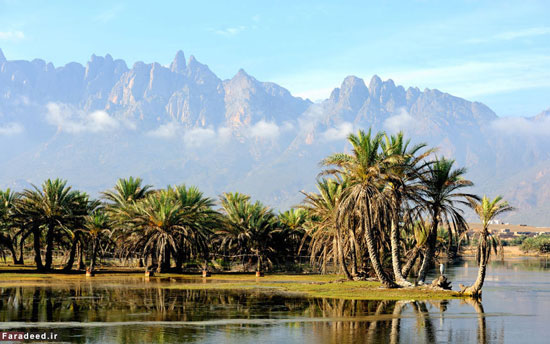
pixel 91 312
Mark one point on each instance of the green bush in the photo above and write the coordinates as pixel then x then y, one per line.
pixel 539 243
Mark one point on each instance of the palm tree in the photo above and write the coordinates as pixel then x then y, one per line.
pixel 156 224
pixel 80 210
pixel 125 193
pixel 199 220
pixel 97 229
pixel 487 210
pixel 403 170
pixel 440 198
pixel 322 226
pixel 253 222
pixel 364 203
pixel 50 207
pixel 8 200
pixel 290 232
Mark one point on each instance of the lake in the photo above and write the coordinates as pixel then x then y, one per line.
pixel 515 309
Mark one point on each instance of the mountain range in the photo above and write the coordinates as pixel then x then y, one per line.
pixel 180 123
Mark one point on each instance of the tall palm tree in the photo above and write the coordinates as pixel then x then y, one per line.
pixel 199 220
pixel 74 230
pixel 254 221
pixel 326 235
pixel 120 199
pixel 97 229
pixel 364 202
pixel 405 164
pixel 156 226
pixel 51 207
pixel 487 210
pixel 440 198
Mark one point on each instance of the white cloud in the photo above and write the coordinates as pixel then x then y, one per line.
pixel 230 31
pixel 165 131
pixel 76 121
pixel 199 136
pixel 11 35
pixel 224 133
pixel 403 120
pixel 264 130
pixel 340 132
pixel 522 126
pixel 11 129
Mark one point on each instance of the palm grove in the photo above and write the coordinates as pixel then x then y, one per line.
pixel 385 209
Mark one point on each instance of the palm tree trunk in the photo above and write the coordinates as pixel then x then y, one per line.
pixel 37 253
pixel 475 289
pixel 395 254
pixel 21 259
pixel 49 247
pixel 353 254
pixel 8 242
pixel 410 263
pixel 72 254
pixel 341 257
pixel 166 259
pixel 81 265
pixel 94 255
pixel 430 251
pixel 259 267
pixel 375 259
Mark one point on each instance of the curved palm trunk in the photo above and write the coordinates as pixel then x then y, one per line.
pixel 395 254
pixel 49 247
pixel 36 244
pixel 375 259
pixel 475 289
pixel 430 252
pixel 410 263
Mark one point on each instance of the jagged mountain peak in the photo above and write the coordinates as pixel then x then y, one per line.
pixel 178 65
pixel 375 82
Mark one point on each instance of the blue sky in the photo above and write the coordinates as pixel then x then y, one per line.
pixel 496 52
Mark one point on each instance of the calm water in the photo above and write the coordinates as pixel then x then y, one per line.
pixel 515 309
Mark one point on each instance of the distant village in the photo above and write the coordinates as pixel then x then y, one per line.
pixel 510 231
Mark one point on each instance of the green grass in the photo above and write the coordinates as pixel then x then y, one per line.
pixel 323 286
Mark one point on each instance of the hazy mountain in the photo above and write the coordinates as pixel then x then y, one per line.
pixel 181 123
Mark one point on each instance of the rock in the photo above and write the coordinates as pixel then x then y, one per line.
pixel 441 282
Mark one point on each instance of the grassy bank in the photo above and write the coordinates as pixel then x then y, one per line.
pixel 323 286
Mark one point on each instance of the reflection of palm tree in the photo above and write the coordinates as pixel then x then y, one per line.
pixel 424 320
pixel 396 321
pixel 481 324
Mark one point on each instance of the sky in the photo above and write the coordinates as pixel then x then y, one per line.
pixel 495 52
